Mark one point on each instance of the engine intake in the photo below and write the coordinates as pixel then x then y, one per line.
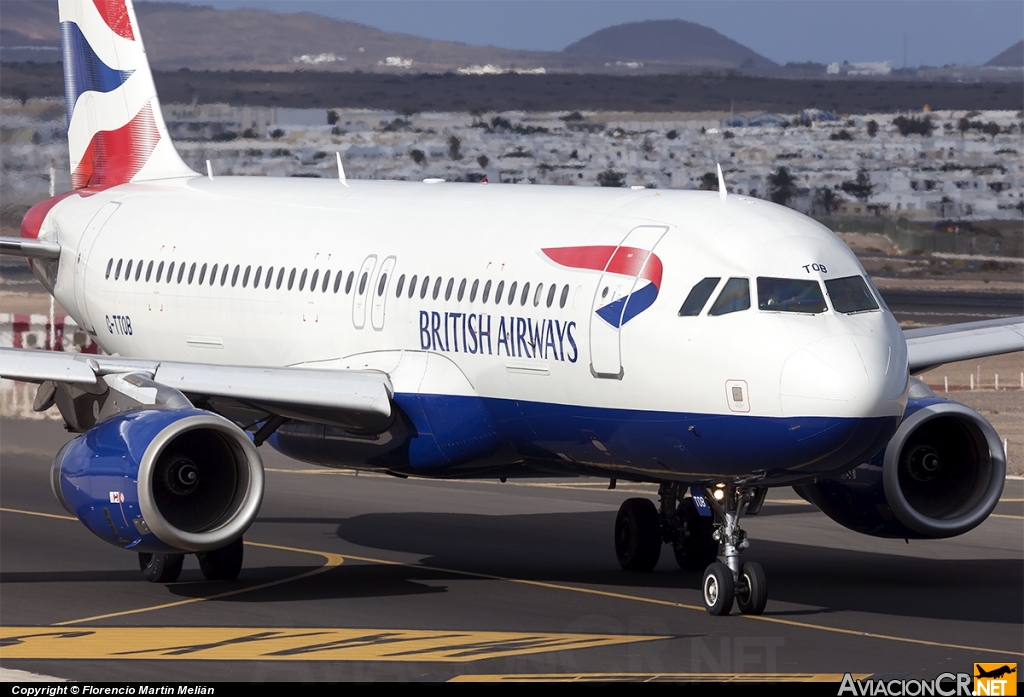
pixel 941 475
pixel 159 480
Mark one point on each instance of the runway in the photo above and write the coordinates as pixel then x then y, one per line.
pixel 375 578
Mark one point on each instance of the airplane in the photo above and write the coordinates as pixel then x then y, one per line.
pixel 716 345
pixel 996 672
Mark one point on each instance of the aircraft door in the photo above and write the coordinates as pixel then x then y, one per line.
pixel 628 285
pixel 364 291
pixel 85 245
pixel 380 293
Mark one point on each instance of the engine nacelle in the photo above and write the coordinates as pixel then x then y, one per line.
pixel 161 480
pixel 941 475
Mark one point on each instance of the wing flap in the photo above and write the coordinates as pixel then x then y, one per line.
pixel 934 346
pixel 365 395
pixel 31 249
pixel 38 366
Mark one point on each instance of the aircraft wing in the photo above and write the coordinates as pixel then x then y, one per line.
pixel 350 398
pixel 927 348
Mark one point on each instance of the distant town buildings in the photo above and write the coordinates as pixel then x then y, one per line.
pixel 951 165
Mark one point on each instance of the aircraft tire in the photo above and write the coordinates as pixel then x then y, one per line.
pixel 718 589
pixel 222 564
pixel 638 535
pixel 699 548
pixel 752 595
pixel 161 568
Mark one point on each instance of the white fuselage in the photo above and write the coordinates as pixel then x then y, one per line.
pixel 379 235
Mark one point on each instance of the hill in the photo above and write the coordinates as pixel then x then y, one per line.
pixel 673 41
pixel 1012 57
pixel 179 35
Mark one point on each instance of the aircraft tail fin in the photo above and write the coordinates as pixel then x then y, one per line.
pixel 116 132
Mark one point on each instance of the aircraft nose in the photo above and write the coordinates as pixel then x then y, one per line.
pixel 845 375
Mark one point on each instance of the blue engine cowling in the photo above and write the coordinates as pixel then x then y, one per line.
pixel 941 475
pixel 161 480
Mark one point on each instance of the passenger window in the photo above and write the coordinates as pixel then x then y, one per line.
pixel 437 287
pixel 512 292
pixel 280 278
pixel 735 297
pixel 538 294
pixel 789 295
pixel 234 275
pixel 698 297
pixel 564 297
pixel 412 286
pixel 525 295
pixel 202 275
pixel 291 278
pixel 348 282
pixel 400 287
pixel 425 287
pixel 128 269
pixel 383 283
pixel 110 265
pixel 498 292
pixel 256 278
pixel 448 289
pixel 302 280
pixel 487 292
pixel 138 270
pixel 312 281
pixel 224 274
pixel 850 295
pixel 192 272
pixel 170 272
pixel 326 282
pixel 462 290
pixel 551 294
pixel 159 272
pixel 337 281
pixel 245 277
pixel 362 283
pixel 149 271
pixel 472 291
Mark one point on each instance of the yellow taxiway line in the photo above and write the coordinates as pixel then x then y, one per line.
pixel 334 560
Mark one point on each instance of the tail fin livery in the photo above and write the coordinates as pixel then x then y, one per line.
pixel 116 133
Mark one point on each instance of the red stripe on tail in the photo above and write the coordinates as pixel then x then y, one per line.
pixel 115 14
pixel 114 157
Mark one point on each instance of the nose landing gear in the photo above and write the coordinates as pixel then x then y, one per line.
pixel 728 579
pixel 698 541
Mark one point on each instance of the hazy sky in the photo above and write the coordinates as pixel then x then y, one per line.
pixel 968 32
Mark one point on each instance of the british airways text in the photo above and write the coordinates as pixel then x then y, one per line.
pixel 518 337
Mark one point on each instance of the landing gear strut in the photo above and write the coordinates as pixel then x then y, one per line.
pixel 728 579
pixel 698 541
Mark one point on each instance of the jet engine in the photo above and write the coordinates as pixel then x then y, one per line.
pixel 161 480
pixel 940 475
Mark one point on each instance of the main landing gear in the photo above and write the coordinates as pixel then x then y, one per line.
pixel 697 541
pixel 222 564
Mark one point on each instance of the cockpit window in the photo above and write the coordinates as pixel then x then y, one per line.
pixel 850 294
pixel 733 298
pixel 698 297
pixel 789 295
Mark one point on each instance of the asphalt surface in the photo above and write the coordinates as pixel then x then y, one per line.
pixel 375 578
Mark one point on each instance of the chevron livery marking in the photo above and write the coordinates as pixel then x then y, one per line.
pixel 115 14
pixel 84 71
pixel 641 264
pixel 114 157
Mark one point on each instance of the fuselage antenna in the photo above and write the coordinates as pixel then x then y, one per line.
pixel 722 193
pixel 341 170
